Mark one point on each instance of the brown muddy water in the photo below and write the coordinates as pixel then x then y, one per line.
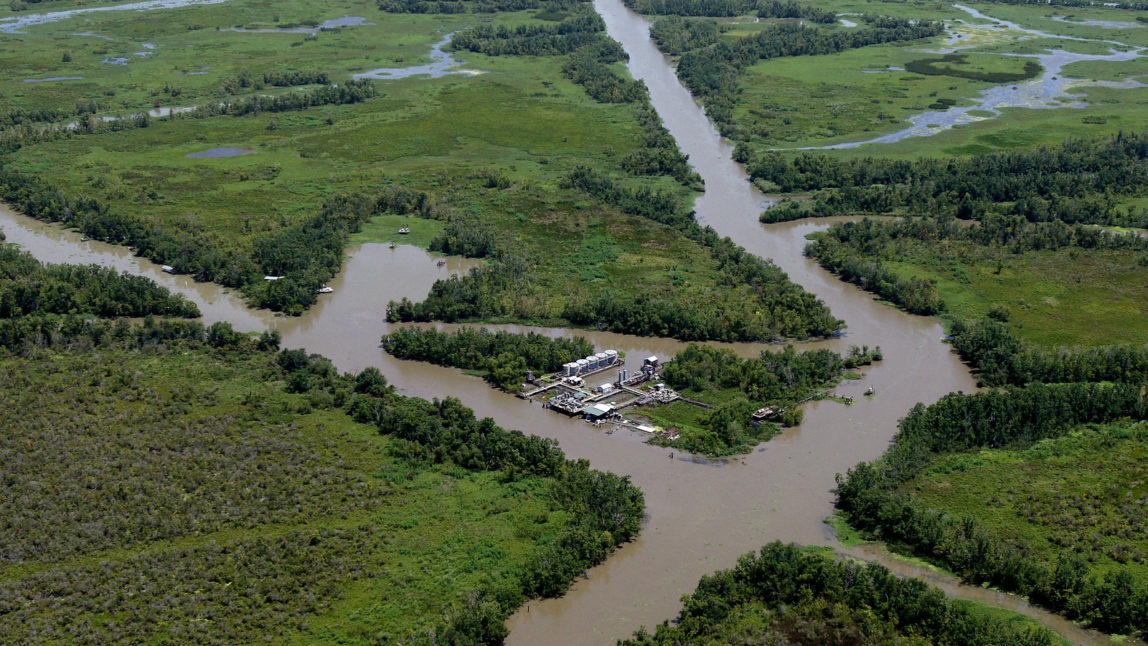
pixel 701 515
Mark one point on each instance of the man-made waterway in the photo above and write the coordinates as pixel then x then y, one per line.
pixel 701 515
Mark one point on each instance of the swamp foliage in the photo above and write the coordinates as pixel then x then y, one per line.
pixel 862 252
pixel 503 357
pixel 788 595
pixel 28 286
pixel 877 497
pixel 337 496
pixel 1075 182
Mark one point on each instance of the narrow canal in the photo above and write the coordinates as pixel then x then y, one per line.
pixel 701 515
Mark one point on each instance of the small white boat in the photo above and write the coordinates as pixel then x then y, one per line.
pixel 325 290
pixel 392 245
pixel 168 268
pixel 405 230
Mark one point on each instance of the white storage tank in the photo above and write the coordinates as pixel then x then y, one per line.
pixel 592 361
pixel 611 356
pixel 583 365
pixel 602 359
pixel 570 369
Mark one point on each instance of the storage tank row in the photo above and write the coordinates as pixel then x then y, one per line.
pixel 590 363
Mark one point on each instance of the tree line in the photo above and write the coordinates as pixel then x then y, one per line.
pixel 503 356
pixel 797 595
pixel 532 40
pixel 28 286
pixel 675 35
pixel 852 264
pixel 1074 182
pixel 248 80
pixel 1015 417
pixel 474 6
pixel 1000 358
pixel 713 73
pixel 730 8
pixel 857 251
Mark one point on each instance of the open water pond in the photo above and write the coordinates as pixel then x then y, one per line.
pixel 222 151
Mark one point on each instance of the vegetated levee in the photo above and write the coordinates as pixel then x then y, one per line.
pixel 171 481
pixel 498 182
pixel 787 594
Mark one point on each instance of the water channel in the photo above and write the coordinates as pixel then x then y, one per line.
pixel 701 515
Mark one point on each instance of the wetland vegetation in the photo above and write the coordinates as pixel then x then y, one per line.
pixel 303 500
pixel 787 595
pixel 326 507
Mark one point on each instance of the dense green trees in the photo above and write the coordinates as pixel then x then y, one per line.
pixel 1001 358
pixel 852 264
pixel 675 35
pixel 729 8
pixel 800 596
pixel 248 80
pixel 533 40
pixel 504 356
pixel 858 251
pixel 28 286
pixel 1074 182
pixel 474 6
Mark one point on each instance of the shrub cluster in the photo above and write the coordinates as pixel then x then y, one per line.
pixel 798 596
pixel 504 356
